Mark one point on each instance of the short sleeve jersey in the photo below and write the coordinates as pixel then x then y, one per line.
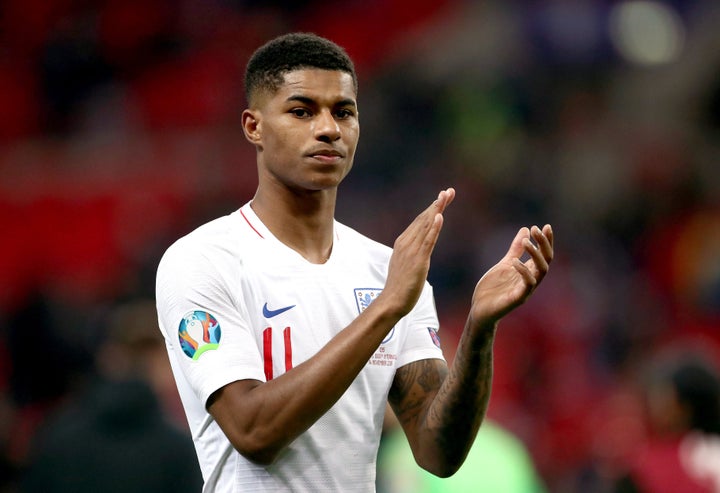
pixel 235 303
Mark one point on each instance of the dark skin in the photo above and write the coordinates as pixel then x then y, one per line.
pixel 306 133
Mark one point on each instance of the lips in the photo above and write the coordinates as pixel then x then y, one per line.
pixel 325 154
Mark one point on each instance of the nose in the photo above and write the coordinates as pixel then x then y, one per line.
pixel 326 127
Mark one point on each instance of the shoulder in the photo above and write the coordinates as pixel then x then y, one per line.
pixel 213 250
pixel 216 238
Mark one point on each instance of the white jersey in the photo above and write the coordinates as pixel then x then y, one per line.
pixel 235 303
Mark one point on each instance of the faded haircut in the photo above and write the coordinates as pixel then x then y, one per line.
pixel 295 51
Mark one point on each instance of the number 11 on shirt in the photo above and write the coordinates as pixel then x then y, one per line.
pixel 268 351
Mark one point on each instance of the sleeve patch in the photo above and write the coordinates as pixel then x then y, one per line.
pixel 434 336
pixel 198 332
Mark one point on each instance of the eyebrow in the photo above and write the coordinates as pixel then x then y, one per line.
pixel 311 101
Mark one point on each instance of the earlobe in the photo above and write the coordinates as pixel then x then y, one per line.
pixel 251 126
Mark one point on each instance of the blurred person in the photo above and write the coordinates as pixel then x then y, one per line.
pixel 682 450
pixel 497 462
pixel 289 332
pixel 114 436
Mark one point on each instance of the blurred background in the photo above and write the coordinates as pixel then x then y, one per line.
pixel 120 131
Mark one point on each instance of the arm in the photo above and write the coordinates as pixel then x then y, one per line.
pixel 441 409
pixel 261 418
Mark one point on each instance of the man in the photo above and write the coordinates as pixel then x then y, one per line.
pixel 112 434
pixel 288 331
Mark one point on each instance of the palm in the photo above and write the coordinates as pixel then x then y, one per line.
pixel 500 290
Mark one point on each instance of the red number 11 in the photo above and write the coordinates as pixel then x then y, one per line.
pixel 267 351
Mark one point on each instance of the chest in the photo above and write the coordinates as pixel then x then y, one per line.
pixel 295 309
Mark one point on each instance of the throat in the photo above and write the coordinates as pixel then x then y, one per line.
pixel 309 230
pixel 314 255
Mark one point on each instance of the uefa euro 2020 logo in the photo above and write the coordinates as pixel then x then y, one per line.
pixel 198 332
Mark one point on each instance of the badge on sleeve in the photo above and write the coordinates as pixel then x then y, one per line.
pixel 199 331
pixel 434 336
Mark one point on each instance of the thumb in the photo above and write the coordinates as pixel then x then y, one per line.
pixel 517 249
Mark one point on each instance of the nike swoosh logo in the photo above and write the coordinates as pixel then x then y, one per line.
pixel 268 313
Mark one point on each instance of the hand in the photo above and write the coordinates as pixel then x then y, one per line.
pixel 410 261
pixel 510 282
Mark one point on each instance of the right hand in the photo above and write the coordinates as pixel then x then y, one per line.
pixel 410 260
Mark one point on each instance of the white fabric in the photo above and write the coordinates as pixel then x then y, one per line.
pixel 231 268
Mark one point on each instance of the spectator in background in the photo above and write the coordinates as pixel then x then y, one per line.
pixel 115 436
pixel 682 451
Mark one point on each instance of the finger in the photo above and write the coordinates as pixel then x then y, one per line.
pixel 425 228
pixel 537 262
pixel 431 238
pixel 525 272
pixel 427 218
pixel 548 232
pixel 444 198
pixel 543 247
pixel 517 248
pixel 436 207
pixel 544 240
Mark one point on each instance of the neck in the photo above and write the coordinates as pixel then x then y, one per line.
pixel 301 220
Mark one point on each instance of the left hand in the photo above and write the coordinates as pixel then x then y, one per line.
pixel 510 282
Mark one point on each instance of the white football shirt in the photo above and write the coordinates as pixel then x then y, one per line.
pixel 235 303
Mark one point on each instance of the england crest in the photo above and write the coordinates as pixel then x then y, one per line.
pixel 363 298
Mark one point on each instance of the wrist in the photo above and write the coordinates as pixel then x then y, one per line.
pixel 482 326
pixel 388 308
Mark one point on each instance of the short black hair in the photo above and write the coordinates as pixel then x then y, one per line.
pixel 695 381
pixel 267 67
pixel 698 388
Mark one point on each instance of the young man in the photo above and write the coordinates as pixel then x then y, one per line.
pixel 288 332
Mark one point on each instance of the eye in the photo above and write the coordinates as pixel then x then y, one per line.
pixel 344 113
pixel 300 112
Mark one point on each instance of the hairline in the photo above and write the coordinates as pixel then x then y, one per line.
pixel 273 89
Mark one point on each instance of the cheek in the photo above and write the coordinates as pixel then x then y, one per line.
pixel 279 141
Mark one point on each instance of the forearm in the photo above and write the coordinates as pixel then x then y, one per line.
pixel 453 417
pixel 260 419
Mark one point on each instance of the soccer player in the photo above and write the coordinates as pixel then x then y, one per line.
pixel 288 332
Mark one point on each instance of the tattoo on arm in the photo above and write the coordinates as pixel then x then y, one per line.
pixel 427 398
pixel 412 386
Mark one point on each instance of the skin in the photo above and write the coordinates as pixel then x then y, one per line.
pixel 306 134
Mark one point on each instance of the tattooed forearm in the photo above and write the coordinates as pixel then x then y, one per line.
pixel 458 409
pixel 465 394
pixel 413 383
pixel 441 410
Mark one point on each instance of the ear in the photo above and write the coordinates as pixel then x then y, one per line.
pixel 251 126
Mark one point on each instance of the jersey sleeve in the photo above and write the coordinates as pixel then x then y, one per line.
pixel 422 340
pixel 205 326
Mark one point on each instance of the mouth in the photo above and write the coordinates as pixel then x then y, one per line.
pixel 326 155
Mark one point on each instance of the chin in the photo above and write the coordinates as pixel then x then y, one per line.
pixel 326 181
pixel 320 186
